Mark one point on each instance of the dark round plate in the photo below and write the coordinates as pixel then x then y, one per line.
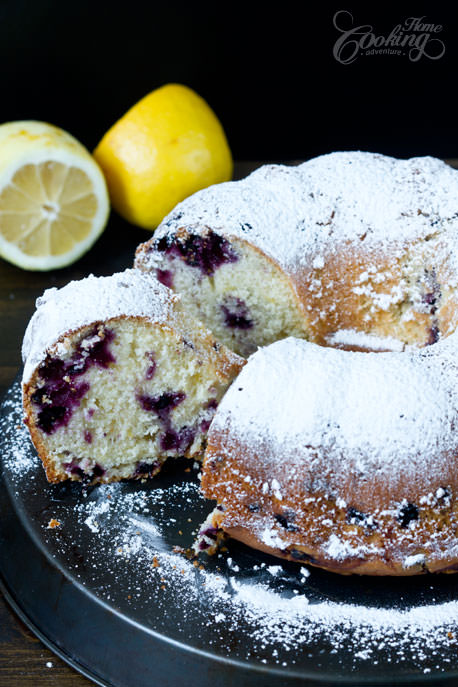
pixel 100 575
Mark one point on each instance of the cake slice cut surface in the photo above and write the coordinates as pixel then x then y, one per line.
pixel 118 378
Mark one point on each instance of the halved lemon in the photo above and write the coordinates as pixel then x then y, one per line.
pixel 53 196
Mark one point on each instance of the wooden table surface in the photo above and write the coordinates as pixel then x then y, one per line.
pixel 24 660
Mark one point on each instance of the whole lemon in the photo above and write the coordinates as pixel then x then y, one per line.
pixel 167 146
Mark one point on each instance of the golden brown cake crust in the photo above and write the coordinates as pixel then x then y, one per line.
pixel 307 525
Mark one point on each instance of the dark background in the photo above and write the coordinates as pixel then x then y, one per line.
pixel 267 70
pixel 269 73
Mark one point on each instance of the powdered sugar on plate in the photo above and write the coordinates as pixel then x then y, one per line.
pixel 125 543
pixel 17 457
pixel 282 613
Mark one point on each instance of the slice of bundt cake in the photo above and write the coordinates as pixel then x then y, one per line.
pixel 352 250
pixel 118 377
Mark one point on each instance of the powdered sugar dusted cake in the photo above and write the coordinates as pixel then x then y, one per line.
pixel 339 458
pixel 351 249
pixel 344 460
pixel 117 377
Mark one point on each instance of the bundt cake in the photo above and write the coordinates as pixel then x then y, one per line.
pixel 344 460
pixel 118 377
pixel 341 458
pixel 351 250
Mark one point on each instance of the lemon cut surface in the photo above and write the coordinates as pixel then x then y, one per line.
pixel 53 197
